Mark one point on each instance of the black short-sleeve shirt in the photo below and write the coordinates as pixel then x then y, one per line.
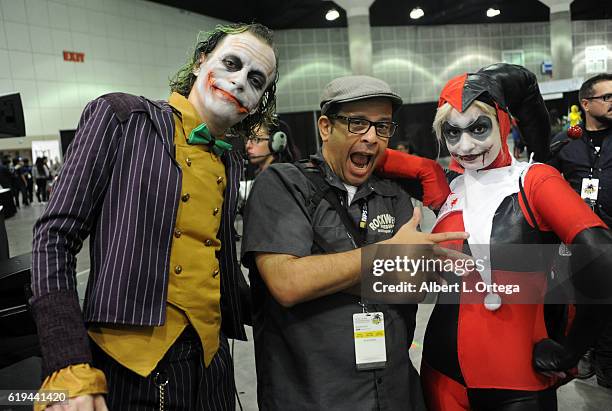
pixel 588 157
pixel 305 354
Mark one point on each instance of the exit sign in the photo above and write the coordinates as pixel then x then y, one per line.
pixel 74 56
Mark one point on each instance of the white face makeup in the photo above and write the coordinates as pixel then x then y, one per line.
pixel 472 138
pixel 232 78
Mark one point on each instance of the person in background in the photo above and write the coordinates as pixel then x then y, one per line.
pixel 556 122
pixel 41 175
pixel 519 146
pixel 19 182
pixel 54 167
pixel 6 177
pixel 272 143
pixel 585 160
pixel 27 173
pixel 404 147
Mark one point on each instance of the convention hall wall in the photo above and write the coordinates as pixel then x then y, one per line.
pixel 418 60
pixel 134 46
pixel 131 46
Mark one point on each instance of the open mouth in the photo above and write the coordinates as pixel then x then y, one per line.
pixel 361 160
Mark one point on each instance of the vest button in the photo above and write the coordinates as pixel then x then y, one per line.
pixel 208 243
pixel 216 211
pixel 215 273
pixel 178 269
pixel 177 232
pixel 185 197
pixel 219 180
pixel 188 161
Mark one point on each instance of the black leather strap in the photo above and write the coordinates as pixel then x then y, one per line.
pixel 325 191
pixel 529 210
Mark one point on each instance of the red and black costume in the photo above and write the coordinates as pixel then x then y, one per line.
pixel 482 357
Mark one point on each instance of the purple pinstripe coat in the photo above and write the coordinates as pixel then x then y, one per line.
pixel 120 185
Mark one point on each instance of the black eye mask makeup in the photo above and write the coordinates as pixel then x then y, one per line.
pixel 479 129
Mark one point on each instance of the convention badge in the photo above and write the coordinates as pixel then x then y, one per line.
pixel 590 188
pixel 369 334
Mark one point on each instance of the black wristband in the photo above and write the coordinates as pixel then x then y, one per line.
pixel 61 331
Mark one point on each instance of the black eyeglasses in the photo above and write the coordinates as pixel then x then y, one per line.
pixel 605 97
pixel 257 140
pixel 384 129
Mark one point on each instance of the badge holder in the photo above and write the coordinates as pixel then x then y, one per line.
pixel 369 336
pixel 590 190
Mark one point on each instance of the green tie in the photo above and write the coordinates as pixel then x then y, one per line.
pixel 201 135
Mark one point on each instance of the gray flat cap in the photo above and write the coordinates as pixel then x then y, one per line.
pixel 354 88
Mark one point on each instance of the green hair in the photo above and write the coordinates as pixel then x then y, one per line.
pixel 183 80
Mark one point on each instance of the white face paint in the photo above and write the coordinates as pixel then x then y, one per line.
pixel 232 79
pixel 472 138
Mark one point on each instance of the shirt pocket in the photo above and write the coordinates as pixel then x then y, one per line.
pixel 336 237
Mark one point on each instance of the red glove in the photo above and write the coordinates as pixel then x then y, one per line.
pixel 396 164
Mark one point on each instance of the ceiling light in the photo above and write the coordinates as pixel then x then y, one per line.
pixel 332 15
pixel 491 12
pixel 417 13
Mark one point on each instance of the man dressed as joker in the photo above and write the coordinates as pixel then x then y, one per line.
pixel 488 352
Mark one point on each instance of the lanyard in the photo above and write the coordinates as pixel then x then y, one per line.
pixel 357 234
pixel 363 228
pixel 364 217
pixel 597 154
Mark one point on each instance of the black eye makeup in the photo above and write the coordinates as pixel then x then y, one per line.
pixel 479 129
pixel 258 80
pixel 232 63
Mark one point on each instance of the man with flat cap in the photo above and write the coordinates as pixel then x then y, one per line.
pixel 304 226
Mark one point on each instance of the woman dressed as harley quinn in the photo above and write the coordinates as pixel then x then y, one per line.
pixel 486 352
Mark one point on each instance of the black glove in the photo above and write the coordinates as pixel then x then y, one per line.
pixel 549 355
pixel 591 267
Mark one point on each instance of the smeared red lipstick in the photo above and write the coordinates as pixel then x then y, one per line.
pixel 472 157
pixel 211 82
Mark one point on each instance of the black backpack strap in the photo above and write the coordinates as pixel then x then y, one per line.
pixel 313 174
pixel 325 191
pixel 357 235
